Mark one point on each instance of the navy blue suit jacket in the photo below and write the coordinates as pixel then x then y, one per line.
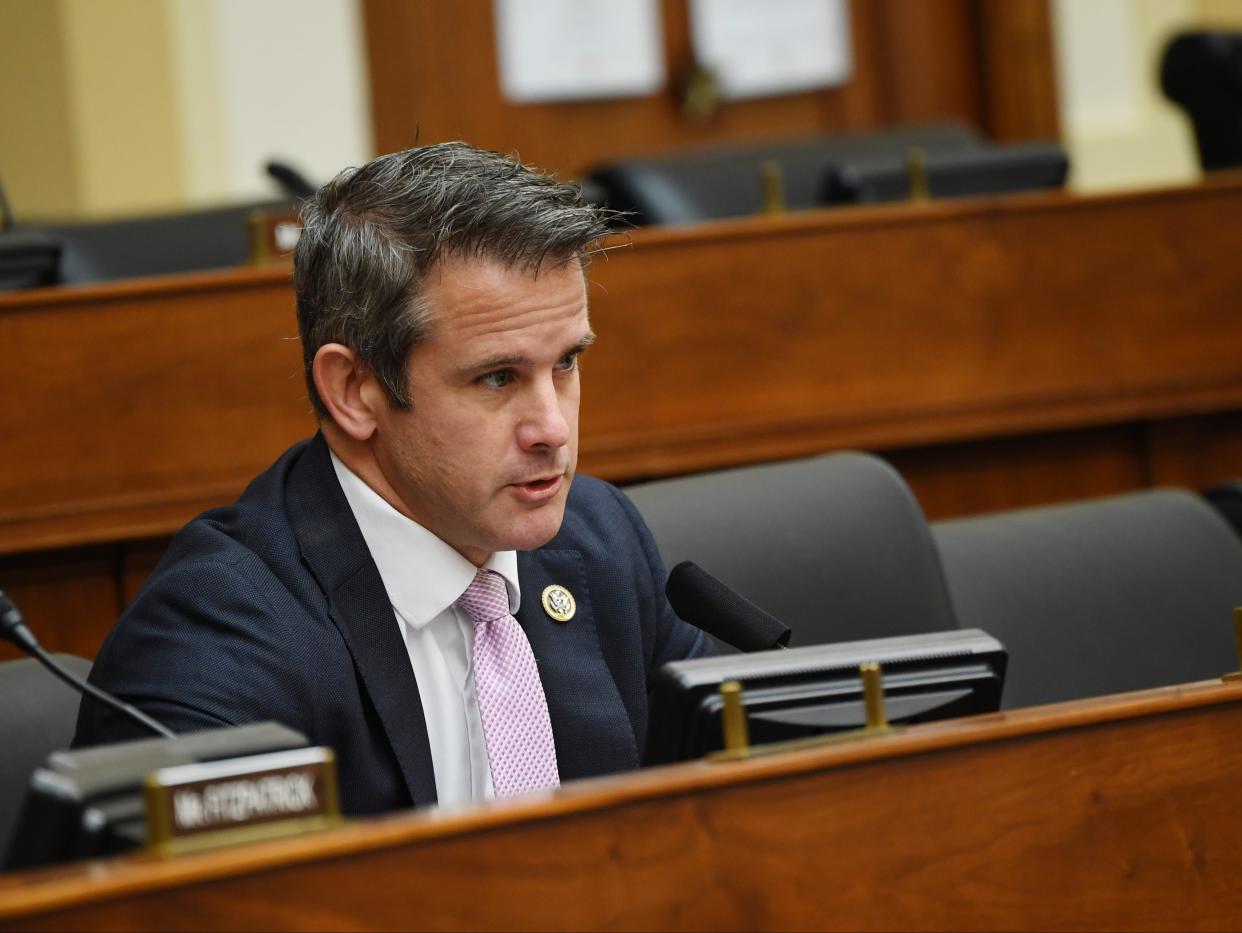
pixel 272 608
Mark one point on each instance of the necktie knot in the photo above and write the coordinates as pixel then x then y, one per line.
pixel 486 598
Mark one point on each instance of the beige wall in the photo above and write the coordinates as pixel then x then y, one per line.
pixel 1220 12
pixel 287 79
pixel 115 107
pixel 37 164
pixel 123 106
pixel 1120 130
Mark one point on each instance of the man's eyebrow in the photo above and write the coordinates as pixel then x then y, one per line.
pixel 504 362
pixel 493 362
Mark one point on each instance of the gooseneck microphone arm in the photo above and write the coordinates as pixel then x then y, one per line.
pixel 13 628
pixel 703 601
pixel 292 182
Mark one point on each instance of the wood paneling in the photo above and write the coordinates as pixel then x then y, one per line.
pixel 890 328
pixel 927 61
pixel 1196 452
pixel 951 480
pixel 138 559
pixel 1019 69
pixel 69 598
pixel 1115 813
pixel 434 77
pixel 142 403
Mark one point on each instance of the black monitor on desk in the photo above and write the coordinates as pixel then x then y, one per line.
pixel 997 170
pixel 802 692
pixel 89 802
pixel 28 260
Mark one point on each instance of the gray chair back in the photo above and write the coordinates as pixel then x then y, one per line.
pixel 836 546
pixel 37 717
pixel 1099 597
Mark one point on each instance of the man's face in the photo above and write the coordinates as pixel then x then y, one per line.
pixel 485 455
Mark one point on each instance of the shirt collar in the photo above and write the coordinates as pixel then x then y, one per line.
pixel 423 575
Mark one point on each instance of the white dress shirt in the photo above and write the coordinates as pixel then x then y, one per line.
pixel 424 577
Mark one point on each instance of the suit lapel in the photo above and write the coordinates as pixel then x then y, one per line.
pixel 333 548
pixel 593 734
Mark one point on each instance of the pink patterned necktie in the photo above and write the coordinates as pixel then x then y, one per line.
pixel 514 711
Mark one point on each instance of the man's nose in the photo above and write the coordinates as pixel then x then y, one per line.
pixel 545 422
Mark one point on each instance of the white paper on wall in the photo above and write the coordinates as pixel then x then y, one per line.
pixel 577 49
pixel 758 48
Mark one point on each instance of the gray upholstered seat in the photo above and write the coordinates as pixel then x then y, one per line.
pixel 37 717
pixel 1099 597
pixel 1090 598
pixel 836 546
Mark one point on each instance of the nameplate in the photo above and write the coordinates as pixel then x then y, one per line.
pixel 273 235
pixel 218 803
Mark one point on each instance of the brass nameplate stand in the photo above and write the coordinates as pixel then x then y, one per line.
pixel 1235 677
pixel 773 188
pixel 211 804
pixel 916 175
pixel 737 745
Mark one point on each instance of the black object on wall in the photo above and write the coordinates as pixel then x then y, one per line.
pixel 1202 73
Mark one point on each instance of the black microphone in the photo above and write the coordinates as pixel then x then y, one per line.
pixel 705 602
pixel 13 628
pixel 292 182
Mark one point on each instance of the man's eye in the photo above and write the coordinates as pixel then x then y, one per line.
pixel 568 362
pixel 498 379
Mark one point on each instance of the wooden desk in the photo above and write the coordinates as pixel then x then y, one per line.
pixel 1000 352
pixel 1115 813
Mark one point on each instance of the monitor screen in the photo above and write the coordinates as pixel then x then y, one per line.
pixel 801 692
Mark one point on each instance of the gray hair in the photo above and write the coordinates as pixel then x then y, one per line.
pixel 370 236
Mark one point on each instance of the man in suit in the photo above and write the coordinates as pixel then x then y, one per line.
pixel 424 585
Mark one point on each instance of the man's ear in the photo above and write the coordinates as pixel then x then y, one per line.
pixel 348 390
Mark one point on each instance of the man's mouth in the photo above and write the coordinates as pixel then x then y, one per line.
pixel 538 485
pixel 540 488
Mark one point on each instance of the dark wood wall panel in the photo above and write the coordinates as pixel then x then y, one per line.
pixel 1019 69
pixel 952 480
pixel 70 597
pixel 927 61
pixel 1196 452
pixel 434 76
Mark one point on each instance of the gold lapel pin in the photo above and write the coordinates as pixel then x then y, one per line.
pixel 559 603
